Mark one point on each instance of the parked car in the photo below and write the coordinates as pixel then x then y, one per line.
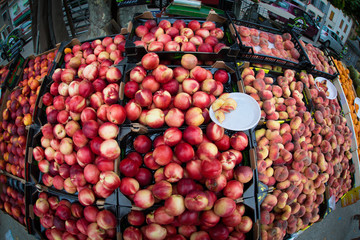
pixel 286 12
pixel 331 40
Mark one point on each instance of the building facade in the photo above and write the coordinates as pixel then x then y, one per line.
pixel 336 20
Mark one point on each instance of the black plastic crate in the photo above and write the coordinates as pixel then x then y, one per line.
pixel 34 176
pixel 323 212
pixel 249 154
pixel 35 227
pixel 233 84
pixel 39 115
pixel 229 53
pixel 318 73
pixel 274 74
pixel 248 54
pixel 250 211
pixel 20 187
pixel 59 59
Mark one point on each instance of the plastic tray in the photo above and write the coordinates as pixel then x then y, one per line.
pixel 247 53
pixel 226 54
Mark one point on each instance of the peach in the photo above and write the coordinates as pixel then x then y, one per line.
pixel 180 74
pixel 262 152
pixel 309 187
pixel 250 90
pixel 289 146
pixel 265 218
pixel 189 61
pixel 269 80
pixel 273 125
pixel 182 39
pixel 286 155
pixel 281 173
pixel 260 74
pixel 319 117
pixel 290 101
pixel 260 133
pixel 298 166
pixel 294 176
pixel 259 84
pixel 274 152
pixel 285 128
pixel 270 201
pixel 247 71
pixel 316 140
pixel 300 155
pixel 271 134
pixel 277 91
pixel 325 146
pixel 187 32
pixel 283 185
pixel 255 96
pixel 266 95
pixel 244 31
pixel 269 107
pixel 295 123
pixel 282 199
pixel 283 115
pixel 194 116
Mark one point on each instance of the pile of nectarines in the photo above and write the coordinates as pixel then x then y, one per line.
pixel 17 115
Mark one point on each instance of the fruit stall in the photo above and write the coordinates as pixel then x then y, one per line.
pixel 178 128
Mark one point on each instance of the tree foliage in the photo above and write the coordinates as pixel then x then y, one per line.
pixel 340 4
pixel 352 8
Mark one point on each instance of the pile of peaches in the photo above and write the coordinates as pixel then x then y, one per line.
pixel 318 58
pixel 267 43
pixel 298 157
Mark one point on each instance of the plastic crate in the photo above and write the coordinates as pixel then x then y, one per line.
pixel 232 85
pixel 275 75
pixel 59 59
pixel 318 73
pixel 229 53
pixel 248 54
pixel 38 230
pixel 20 188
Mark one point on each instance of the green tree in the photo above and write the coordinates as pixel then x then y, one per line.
pixel 350 7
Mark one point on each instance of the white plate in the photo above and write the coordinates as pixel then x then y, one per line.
pixel 244 117
pixel 357 101
pixel 330 86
